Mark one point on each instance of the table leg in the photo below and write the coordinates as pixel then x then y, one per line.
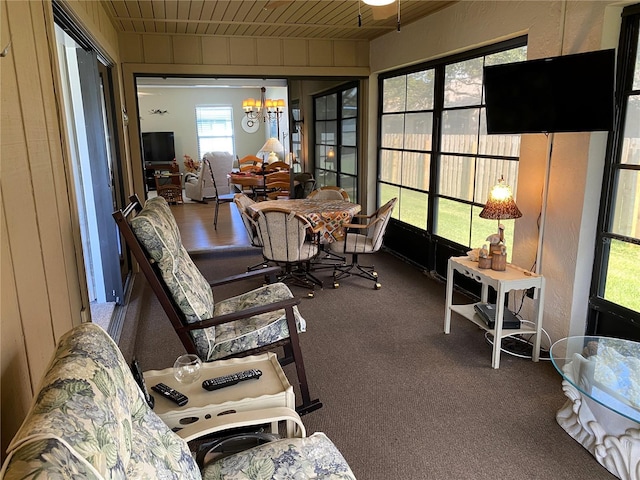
pixel 449 298
pixel 539 310
pixel 484 293
pixel 497 337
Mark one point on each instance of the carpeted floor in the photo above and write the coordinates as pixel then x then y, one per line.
pixel 402 400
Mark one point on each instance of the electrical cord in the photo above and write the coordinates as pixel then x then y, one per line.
pixel 524 343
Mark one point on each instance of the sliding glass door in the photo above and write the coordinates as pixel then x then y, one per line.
pixel 615 303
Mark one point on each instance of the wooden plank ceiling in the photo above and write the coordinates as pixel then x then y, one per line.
pixel 316 19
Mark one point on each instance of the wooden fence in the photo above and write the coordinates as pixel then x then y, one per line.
pixel 456 174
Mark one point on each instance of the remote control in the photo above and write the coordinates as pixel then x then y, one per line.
pixel 170 394
pixel 231 379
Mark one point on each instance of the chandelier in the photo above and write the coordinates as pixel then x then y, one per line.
pixel 262 108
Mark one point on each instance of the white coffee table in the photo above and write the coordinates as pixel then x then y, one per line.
pixel 272 389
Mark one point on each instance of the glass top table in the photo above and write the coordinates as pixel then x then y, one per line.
pixel 605 369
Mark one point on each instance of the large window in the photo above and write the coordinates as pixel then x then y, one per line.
pixel 336 139
pixel 615 301
pixel 434 152
pixel 214 126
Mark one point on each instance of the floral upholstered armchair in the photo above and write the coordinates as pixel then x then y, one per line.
pixel 265 318
pixel 90 421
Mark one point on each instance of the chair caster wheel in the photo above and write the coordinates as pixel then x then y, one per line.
pixel 375 274
pixel 377 286
pixel 311 295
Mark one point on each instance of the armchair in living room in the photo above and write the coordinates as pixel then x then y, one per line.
pixel 199 186
pixel 90 420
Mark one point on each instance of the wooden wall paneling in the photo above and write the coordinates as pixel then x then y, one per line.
pixel 157 49
pixel 320 53
pixel 344 53
pixel 362 54
pixel 243 51
pixel 215 50
pixel 19 106
pixel 15 377
pixel 44 162
pixel 187 49
pixel 15 384
pixel 131 48
pixel 269 51
pixel 295 52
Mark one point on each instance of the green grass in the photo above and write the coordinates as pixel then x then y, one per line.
pixel 623 275
pixel 456 220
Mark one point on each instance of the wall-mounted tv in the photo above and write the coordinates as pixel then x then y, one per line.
pixel 571 93
pixel 158 147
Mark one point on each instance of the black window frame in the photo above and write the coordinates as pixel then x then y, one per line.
pixel 605 317
pixel 424 247
pixel 337 147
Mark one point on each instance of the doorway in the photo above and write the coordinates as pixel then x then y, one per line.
pixel 93 166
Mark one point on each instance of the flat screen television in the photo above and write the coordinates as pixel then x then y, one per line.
pixel 158 147
pixel 571 93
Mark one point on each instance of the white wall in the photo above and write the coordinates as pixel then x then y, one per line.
pixel 180 104
pixel 553 28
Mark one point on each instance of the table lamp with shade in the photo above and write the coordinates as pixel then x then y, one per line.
pixel 500 206
pixel 272 146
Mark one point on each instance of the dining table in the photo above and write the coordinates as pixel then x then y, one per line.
pixel 327 217
pixel 246 179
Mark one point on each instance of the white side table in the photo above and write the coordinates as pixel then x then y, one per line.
pixel 513 278
pixel 272 389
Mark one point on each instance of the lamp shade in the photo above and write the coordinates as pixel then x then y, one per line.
pixel 272 146
pixel 500 205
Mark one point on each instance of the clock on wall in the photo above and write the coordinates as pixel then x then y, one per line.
pixel 250 126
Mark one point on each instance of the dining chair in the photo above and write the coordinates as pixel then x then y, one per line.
pixel 278 189
pixel 246 164
pixel 305 184
pixel 220 198
pixel 263 319
pixel 288 239
pixel 276 166
pixel 273 182
pixel 362 238
pixel 242 202
pixel 329 192
pixel 249 161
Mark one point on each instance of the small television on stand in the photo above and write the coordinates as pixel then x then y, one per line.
pixel 158 153
pixel 570 93
pixel 158 147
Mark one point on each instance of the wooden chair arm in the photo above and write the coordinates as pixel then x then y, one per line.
pixel 361 226
pixel 356 226
pixel 239 315
pixel 270 271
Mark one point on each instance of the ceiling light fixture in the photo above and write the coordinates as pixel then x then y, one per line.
pixel 257 109
pixel 378 3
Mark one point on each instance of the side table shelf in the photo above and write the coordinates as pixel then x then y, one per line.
pixel 513 278
pixel 272 389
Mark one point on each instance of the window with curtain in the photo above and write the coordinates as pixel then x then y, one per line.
pixel 615 304
pixel 336 139
pixel 214 127
pixel 434 152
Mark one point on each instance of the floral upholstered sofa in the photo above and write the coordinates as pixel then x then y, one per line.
pixel 90 421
